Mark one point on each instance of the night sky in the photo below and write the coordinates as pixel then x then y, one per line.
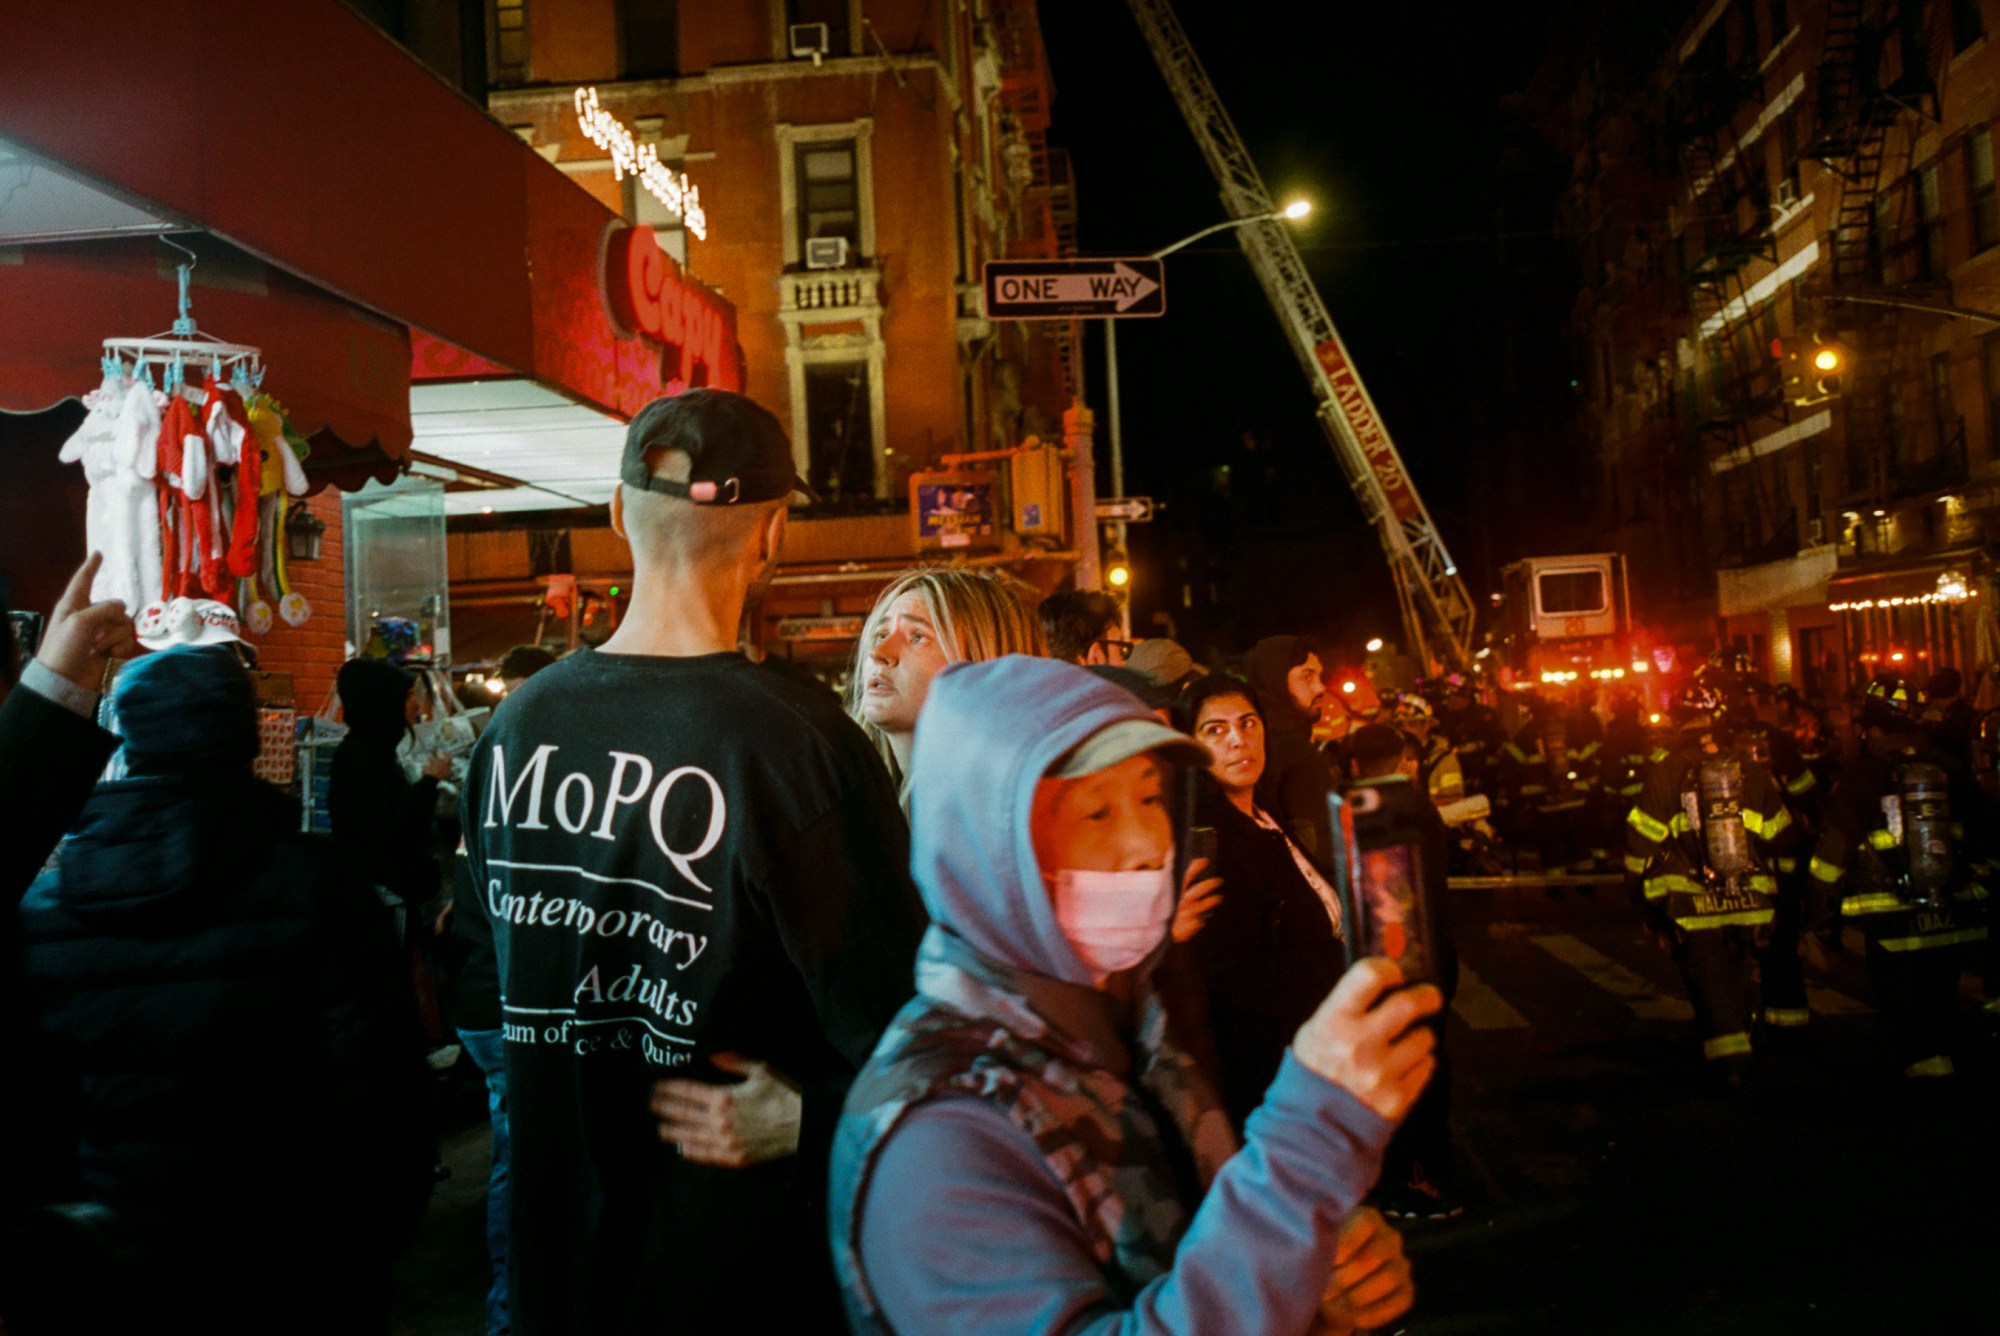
pixel 1432 246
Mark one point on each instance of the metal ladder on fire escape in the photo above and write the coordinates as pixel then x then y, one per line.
pixel 1865 136
pixel 1733 219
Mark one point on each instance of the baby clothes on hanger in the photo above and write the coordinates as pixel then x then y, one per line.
pixel 234 444
pixel 130 507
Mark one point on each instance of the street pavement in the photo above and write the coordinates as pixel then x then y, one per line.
pixel 1612 1186
pixel 1609 1185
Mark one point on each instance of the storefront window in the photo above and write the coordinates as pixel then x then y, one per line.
pixel 396 570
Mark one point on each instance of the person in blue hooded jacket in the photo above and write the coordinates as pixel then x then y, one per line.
pixel 1028 1151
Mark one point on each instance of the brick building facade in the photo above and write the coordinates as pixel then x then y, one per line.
pixel 1790 178
pixel 855 164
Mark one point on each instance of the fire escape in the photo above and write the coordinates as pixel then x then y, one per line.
pixel 1873 94
pixel 1727 243
pixel 1038 178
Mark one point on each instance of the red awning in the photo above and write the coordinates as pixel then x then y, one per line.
pixel 342 374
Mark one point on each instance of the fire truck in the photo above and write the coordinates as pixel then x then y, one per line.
pixel 1569 619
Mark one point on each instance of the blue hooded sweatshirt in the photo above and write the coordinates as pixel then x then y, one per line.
pixel 947 1215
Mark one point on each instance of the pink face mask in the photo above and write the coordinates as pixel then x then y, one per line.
pixel 1114 920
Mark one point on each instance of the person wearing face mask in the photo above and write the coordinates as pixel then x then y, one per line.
pixel 925 619
pixel 698 883
pixel 1029 1150
pixel 1269 951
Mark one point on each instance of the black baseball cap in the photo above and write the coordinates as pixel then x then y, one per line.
pixel 736 449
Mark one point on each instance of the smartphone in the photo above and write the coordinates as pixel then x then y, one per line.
pixel 27 632
pixel 1201 841
pixel 1379 877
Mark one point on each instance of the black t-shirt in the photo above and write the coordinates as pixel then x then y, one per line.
pixel 680 857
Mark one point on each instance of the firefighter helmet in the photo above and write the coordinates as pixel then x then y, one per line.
pixel 1407 707
pixel 1730 659
pixel 1889 702
pixel 1696 701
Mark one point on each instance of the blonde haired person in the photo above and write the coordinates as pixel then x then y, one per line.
pixel 925 619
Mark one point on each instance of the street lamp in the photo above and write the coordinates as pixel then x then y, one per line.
pixel 1292 211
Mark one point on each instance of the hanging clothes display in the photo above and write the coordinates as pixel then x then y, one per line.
pixel 188 480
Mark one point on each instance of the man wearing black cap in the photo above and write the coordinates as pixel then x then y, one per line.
pixel 697 875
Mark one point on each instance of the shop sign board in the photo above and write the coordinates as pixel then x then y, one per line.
pixel 953 509
pixel 1359 410
pixel 677 195
pixel 648 296
pixel 1072 289
pixel 818 629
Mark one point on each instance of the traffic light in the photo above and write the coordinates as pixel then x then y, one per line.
pixel 1814 371
pixel 1118 571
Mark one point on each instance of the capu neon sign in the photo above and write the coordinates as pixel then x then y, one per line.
pixel 678 195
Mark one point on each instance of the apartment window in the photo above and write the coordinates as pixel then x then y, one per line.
pixel 1967 25
pixel 1990 349
pixel 643 209
pixel 649 37
pixel 1943 411
pixel 1882 236
pixel 829 197
pixel 1788 146
pixel 1780 16
pixel 840 438
pixel 1979 179
pixel 833 13
pixel 510 40
pixel 1930 225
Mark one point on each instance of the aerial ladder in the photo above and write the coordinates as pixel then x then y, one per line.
pixel 1437 611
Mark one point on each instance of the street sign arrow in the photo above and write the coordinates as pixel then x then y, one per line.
pixel 1125 509
pixel 1070 289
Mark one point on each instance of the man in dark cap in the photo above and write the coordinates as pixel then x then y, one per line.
pixel 697 875
pixel 208 991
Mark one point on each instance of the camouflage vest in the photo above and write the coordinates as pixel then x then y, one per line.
pixel 981 1030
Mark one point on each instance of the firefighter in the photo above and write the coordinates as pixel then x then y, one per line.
pixel 1475 735
pixel 1550 790
pixel 1438 769
pixel 1781 971
pixel 1629 749
pixel 1704 837
pixel 1908 836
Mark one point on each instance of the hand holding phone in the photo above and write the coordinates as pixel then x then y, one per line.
pixel 1378 875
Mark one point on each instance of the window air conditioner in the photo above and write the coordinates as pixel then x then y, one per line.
pixel 809 40
pixel 1787 194
pixel 826 252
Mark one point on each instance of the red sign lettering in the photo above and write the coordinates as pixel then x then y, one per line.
pixel 649 297
pixel 1369 431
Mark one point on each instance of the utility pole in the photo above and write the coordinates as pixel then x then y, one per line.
pixel 1079 425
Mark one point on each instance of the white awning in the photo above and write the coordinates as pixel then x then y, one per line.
pixel 563 454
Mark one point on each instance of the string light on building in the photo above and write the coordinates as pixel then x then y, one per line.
pixel 1956 592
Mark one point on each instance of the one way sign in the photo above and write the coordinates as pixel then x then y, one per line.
pixel 1066 289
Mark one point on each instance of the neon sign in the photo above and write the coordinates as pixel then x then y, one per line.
pixel 676 194
pixel 649 296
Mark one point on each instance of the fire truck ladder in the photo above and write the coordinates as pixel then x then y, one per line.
pixel 1437 611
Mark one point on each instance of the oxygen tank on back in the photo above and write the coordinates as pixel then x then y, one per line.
pixel 1927 840
pixel 1725 839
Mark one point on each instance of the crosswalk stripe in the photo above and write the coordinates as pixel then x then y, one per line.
pixel 1482 1008
pixel 1645 1001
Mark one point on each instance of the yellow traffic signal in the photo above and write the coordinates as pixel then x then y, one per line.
pixel 1815 372
pixel 1826 359
pixel 1118 571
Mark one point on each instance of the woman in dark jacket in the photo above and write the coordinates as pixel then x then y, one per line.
pixel 219 1035
pixel 373 805
pixel 1269 951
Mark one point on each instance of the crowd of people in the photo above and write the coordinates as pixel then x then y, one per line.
pixel 1009 992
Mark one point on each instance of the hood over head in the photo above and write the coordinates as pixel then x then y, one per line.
pixel 190 708
pixel 988 733
pixel 1266 666
pixel 374 696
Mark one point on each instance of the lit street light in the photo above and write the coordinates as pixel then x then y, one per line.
pixel 1291 212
